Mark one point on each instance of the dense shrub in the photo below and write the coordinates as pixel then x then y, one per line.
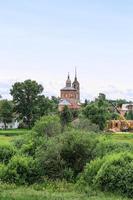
pixel 19 141
pixel 66 155
pixel 3 170
pixel 78 149
pixel 116 174
pixel 49 161
pixel 48 126
pixel 6 152
pixel 20 170
pixel 90 171
pixel 85 125
pixel 113 173
pixel 28 149
pixel 105 147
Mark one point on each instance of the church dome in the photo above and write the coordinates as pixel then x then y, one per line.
pixel 68 82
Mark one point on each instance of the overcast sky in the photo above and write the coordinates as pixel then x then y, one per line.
pixel 46 39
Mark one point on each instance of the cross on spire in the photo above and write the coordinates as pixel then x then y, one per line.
pixel 68 75
pixel 75 73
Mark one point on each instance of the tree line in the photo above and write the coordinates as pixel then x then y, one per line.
pixel 29 104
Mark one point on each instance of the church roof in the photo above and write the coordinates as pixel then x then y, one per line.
pixel 64 102
pixel 68 88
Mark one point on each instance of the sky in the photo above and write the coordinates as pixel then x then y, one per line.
pixel 43 40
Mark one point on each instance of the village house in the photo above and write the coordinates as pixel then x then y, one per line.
pixel 12 125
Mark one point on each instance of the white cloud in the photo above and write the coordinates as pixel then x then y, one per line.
pixel 88 91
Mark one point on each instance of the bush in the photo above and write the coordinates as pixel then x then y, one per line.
pixel 6 152
pixel 86 125
pixel 66 155
pixel 116 174
pixel 28 149
pixel 3 170
pixel 48 126
pixel 105 147
pixel 20 170
pixel 18 142
pixel 90 171
pixel 78 149
pixel 113 173
pixel 49 160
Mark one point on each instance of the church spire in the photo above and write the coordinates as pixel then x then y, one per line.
pixel 68 78
pixel 75 74
pixel 76 86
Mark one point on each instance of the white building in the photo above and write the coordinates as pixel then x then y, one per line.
pixel 126 108
pixel 13 125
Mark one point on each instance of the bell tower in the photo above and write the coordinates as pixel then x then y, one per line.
pixel 76 86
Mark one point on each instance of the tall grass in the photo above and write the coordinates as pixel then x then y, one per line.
pixel 13 192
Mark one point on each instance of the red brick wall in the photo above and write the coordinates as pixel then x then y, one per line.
pixel 68 94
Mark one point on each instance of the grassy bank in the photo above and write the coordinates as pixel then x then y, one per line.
pixel 30 193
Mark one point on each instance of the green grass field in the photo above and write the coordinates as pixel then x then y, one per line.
pixel 13 132
pixel 5 139
pixel 6 136
pixel 121 137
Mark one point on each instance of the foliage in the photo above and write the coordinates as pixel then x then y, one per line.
pixel 47 126
pixel 64 156
pixel 25 97
pixel 116 174
pixel 97 113
pixel 3 170
pixel 6 153
pixel 6 112
pixel 46 105
pixel 113 173
pixel 20 170
pixel 86 102
pixel 101 110
pixel 75 114
pixel 78 149
pixel 129 115
pixel 115 116
pixel 65 116
pixel 120 102
pixel 105 147
pixel 85 125
pixel 90 171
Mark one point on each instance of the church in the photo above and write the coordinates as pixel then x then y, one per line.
pixel 70 94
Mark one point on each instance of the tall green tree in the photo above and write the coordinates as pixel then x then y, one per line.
pixel 55 102
pixel 98 112
pixel 46 106
pixel 66 117
pixel 129 115
pixel 25 97
pixel 6 112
